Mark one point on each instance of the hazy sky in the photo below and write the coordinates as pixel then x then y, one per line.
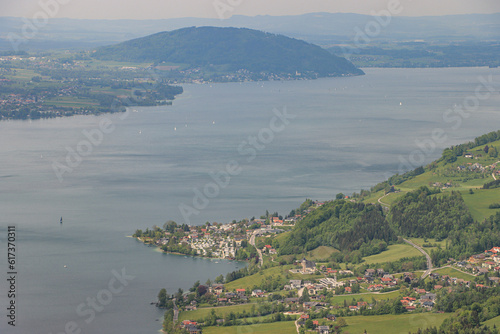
pixel 160 9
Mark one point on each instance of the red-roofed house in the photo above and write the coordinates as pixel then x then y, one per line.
pixel 361 304
pixel 495 250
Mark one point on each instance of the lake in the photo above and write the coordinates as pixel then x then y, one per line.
pixel 149 165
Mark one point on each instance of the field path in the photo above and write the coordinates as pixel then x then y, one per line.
pixel 384 204
pixel 297 326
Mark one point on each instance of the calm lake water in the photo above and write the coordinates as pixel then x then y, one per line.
pixel 346 134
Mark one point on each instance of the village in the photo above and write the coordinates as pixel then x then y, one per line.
pixel 312 301
pixel 310 295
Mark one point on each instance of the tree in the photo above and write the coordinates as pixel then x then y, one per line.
pixel 339 196
pixel 162 298
pixel 305 295
pixel 493 152
pixel 397 307
pixel 341 322
pixel 309 324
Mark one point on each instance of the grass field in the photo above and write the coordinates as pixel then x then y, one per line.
pixel 284 327
pixel 257 279
pixel 454 273
pixel 420 242
pixel 393 253
pixel 374 197
pixel 320 253
pixel 392 197
pixel 493 322
pixel 69 101
pixel 479 201
pixel 394 324
pixel 221 311
pixel 339 300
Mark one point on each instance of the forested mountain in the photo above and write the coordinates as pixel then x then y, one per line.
pixel 419 214
pixel 229 50
pixel 342 224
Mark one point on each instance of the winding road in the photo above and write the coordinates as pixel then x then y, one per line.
pixel 384 204
pixel 429 261
pixel 252 242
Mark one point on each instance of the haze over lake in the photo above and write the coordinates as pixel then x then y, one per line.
pixel 347 134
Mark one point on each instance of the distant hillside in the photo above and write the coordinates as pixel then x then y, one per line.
pixel 231 49
pixel 325 29
pixel 343 225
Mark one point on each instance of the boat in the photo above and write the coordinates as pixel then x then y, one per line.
pixel 61 220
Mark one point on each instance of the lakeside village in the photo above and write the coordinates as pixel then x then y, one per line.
pixel 315 295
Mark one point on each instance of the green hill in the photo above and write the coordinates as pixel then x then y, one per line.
pixel 343 225
pixel 230 50
pixel 454 200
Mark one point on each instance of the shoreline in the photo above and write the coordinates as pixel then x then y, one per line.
pixel 158 248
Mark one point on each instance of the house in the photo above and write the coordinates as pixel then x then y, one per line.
pixel 428 296
pixel 410 308
pixel 370 272
pixel 257 293
pixel 482 271
pixel 494 279
pixel 193 329
pixel 353 308
pixel 291 300
pixel 375 287
pixel 295 283
pixel 241 292
pixel 216 288
pixel 304 316
pixel 476 258
pixel 323 330
pixel 362 304
pixel 428 304
pixel 309 305
pixel 315 322
pixel 495 250
pixel 331 317
pixel 308 266
pixel 348 289
pixel 489 264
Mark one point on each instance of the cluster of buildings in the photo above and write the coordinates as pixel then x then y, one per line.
pixel 483 263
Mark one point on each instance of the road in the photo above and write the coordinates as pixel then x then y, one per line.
pixel 176 313
pixel 429 261
pixel 384 204
pixel 252 242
